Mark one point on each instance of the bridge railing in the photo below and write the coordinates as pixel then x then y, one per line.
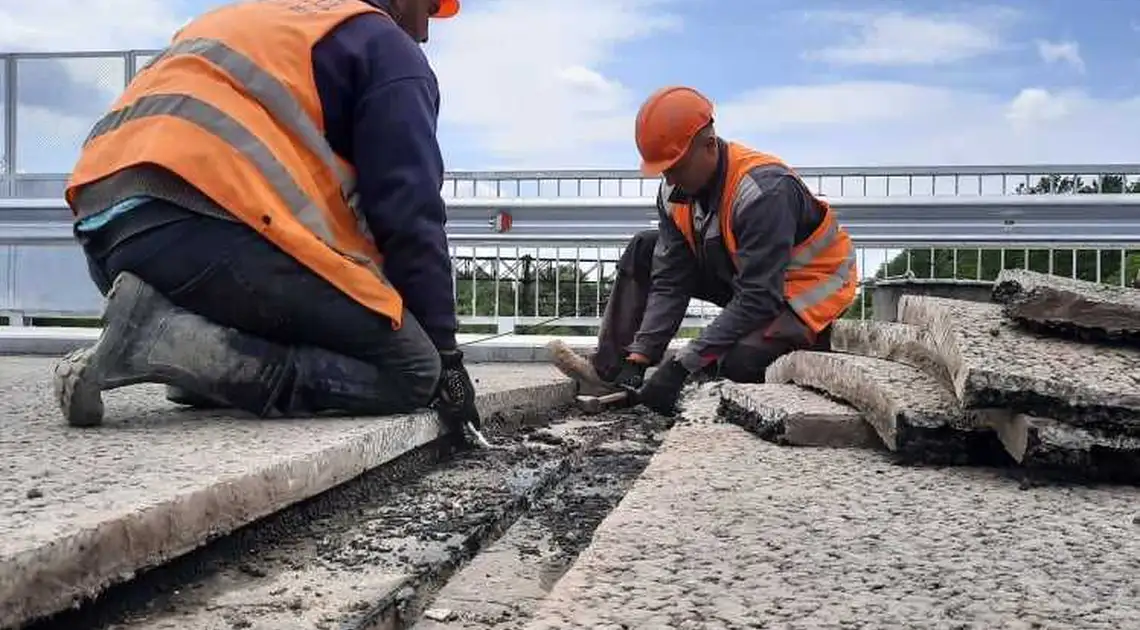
pixel 557 261
pixel 556 264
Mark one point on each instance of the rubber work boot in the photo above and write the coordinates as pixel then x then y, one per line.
pixel 187 398
pixel 578 368
pixel 148 339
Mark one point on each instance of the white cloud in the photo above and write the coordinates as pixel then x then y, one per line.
pixel 528 83
pixel 862 123
pixel 526 80
pixel 55 25
pixel 896 39
pixel 62 98
pixel 1061 52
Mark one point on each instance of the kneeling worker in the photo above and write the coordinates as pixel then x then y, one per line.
pixel 737 228
pixel 262 210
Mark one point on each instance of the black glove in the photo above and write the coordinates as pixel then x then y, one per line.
pixel 661 391
pixel 455 398
pixel 631 375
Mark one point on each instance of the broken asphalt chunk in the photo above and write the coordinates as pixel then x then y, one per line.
pixel 1044 444
pixel 913 413
pixel 901 343
pixel 789 414
pixel 1067 307
pixel 996 364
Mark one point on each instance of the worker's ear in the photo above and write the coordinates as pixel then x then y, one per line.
pixel 710 141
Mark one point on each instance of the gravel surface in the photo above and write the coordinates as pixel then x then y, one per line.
pixel 724 530
pixel 997 364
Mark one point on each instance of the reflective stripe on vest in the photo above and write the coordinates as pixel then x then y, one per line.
pixel 275 98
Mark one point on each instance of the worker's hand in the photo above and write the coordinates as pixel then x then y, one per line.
pixel 661 391
pixel 632 372
pixel 456 396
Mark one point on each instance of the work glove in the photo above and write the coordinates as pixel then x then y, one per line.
pixel 455 398
pixel 631 375
pixel 661 391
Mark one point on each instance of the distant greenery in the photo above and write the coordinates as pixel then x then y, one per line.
pixel 985 264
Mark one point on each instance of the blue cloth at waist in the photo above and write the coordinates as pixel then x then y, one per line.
pixel 101 218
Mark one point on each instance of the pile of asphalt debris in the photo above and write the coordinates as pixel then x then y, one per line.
pixel 1045 378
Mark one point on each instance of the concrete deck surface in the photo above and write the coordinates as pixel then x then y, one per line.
pixel 724 530
pixel 83 507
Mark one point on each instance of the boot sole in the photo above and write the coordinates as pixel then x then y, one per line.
pixel 575 367
pixel 79 396
pixel 78 380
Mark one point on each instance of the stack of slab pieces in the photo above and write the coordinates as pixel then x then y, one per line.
pixel 1048 376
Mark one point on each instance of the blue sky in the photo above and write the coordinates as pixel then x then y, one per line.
pixel 553 83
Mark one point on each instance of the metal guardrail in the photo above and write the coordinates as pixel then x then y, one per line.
pixel 559 258
pixel 1013 221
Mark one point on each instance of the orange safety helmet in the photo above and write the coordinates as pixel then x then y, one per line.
pixel 666 125
pixel 447 8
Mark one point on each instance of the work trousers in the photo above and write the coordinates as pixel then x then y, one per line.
pixel 745 362
pixel 232 276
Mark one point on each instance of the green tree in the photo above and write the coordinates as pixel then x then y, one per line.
pixel 1113 267
pixel 543 289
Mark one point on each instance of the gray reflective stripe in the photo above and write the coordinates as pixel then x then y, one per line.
pixel 271 94
pixel 814 248
pixel 663 193
pixel 224 127
pixel 748 191
pixel 824 290
pixel 276 98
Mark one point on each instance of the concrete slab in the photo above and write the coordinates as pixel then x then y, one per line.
pixel 59 340
pixel 912 412
pixel 901 343
pixel 994 363
pixel 1070 307
pixel 793 415
pixel 85 508
pixel 1044 444
pixel 722 531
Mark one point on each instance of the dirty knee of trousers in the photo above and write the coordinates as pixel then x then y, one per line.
pixel 330 382
pixel 422 379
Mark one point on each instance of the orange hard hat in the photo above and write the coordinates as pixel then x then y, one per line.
pixel 447 8
pixel 666 124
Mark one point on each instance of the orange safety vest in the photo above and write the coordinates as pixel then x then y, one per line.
pixel 821 279
pixel 234 111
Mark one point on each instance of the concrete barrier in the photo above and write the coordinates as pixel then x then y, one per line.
pixel 885 294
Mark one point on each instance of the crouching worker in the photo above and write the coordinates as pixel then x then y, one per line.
pixel 737 228
pixel 262 210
